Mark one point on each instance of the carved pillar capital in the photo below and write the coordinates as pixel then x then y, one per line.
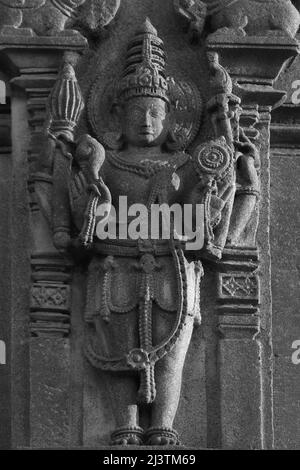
pixel 245 58
pixel 26 57
pixel 32 63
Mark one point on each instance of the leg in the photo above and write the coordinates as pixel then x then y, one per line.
pixel 168 377
pixel 111 339
pixel 122 389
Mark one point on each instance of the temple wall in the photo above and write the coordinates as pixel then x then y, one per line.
pixel 240 386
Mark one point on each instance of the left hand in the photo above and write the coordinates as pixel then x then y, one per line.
pixel 90 156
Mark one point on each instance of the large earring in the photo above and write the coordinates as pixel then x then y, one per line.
pixel 172 143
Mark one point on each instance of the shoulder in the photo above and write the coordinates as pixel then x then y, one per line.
pixel 181 159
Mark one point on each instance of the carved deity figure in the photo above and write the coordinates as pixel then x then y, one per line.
pixel 143 293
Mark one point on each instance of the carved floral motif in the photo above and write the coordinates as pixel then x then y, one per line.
pixel 239 286
pixel 50 297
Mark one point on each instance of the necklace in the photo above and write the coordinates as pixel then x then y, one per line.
pixel 148 167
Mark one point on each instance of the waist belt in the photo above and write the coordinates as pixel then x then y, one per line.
pixel 132 249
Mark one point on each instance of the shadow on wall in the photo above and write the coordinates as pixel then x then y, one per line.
pixel 296 3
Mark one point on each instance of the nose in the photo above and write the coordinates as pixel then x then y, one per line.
pixel 146 122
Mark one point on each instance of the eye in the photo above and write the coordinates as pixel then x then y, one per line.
pixel 134 113
pixel 157 112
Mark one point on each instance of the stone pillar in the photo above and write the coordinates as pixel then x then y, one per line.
pixel 244 285
pixel 240 365
pixel 5 323
pixel 40 356
pixel 284 241
pixel 50 351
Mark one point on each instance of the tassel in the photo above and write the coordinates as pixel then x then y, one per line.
pixel 87 232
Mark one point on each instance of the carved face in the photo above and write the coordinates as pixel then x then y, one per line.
pixel 145 121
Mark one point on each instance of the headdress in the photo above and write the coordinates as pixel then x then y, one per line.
pixel 144 73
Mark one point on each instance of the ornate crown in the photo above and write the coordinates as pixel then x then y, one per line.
pixel 144 73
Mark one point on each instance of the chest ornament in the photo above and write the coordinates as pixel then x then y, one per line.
pixel 148 168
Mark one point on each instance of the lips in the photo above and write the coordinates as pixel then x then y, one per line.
pixel 146 133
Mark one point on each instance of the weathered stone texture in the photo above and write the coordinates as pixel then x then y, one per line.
pixel 239 384
pixel 5 321
pixel 49 393
pixel 285 296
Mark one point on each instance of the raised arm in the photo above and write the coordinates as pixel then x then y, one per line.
pixel 65 107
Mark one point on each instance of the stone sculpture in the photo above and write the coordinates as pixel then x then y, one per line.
pixel 143 295
pixel 53 17
pixel 251 17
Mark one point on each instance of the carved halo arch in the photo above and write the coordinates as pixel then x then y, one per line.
pixel 186 108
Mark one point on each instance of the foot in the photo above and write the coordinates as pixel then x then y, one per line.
pixel 127 436
pixel 162 437
pixel 14 31
pixel 237 32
